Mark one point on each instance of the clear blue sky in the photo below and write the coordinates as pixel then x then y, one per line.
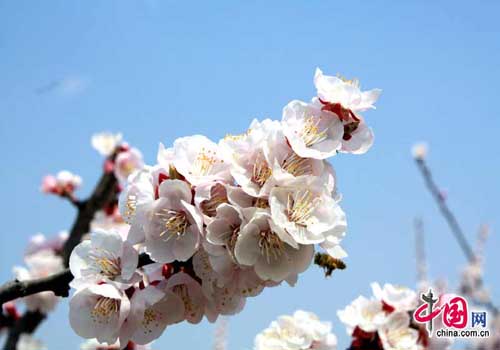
pixel 157 70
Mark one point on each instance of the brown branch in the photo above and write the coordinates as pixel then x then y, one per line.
pixel 104 193
pixel 27 324
pixel 57 283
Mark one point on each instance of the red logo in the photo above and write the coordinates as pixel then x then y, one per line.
pixel 454 312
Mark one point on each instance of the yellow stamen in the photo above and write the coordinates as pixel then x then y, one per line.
pixel 175 223
pixel 104 309
pixel 297 166
pixel 300 207
pixel 271 246
pixel 261 171
pixel 311 134
pixel 204 162
pixel 108 264
pixel 130 207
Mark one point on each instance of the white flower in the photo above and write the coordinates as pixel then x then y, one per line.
pixel 345 99
pixel 106 143
pixel 27 342
pixel 312 133
pixel 358 137
pixel 400 298
pixel 215 264
pixel 127 162
pixel 165 156
pixel 273 252
pixel 250 156
pixel 224 288
pixel 98 311
pixel 345 92
pixel 223 230
pixel 307 211
pixel 420 150
pixel 105 257
pixel 302 331
pixel 288 166
pixel 151 311
pixel 191 294
pixel 40 264
pixel 174 225
pixel 396 333
pixel 364 313
pixel 135 200
pixel 199 160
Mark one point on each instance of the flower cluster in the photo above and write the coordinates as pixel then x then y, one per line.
pixel 220 221
pixel 42 260
pixel 62 184
pixel 302 331
pixel 383 322
pixel 122 159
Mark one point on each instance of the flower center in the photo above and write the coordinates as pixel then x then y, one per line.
pixel 300 207
pixel 311 133
pixel 182 291
pixel 150 317
pixel 271 246
pixel 261 171
pixel 296 165
pixel 204 162
pixel 353 82
pixel 108 264
pixel 104 308
pixel 174 222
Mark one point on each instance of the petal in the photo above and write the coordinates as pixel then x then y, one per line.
pixel 247 249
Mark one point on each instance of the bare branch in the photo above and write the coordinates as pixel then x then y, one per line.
pixel 452 222
pixel 447 213
pixel 57 283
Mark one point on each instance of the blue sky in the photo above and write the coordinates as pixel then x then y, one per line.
pixel 157 70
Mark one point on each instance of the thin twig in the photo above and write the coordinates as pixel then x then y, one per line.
pixel 421 262
pixel 443 207
pixel 452 222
